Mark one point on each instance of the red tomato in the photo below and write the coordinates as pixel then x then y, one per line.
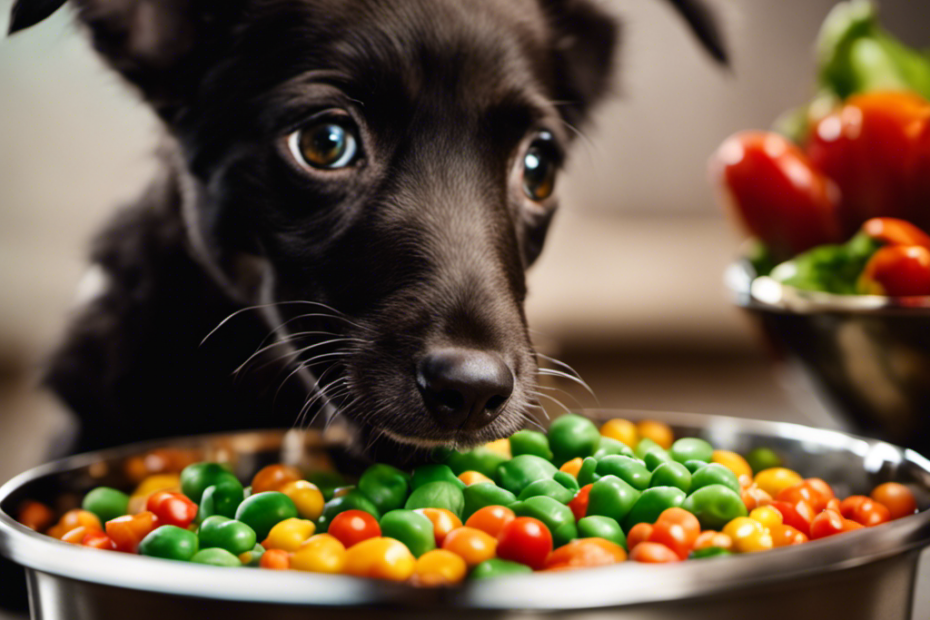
pixel 779 197
pixel 525 540
pixel 816 494
pixel 639 533
pixel 585 553
pixel 891 231
pixel 98 540
pixel 129 530
pixel 864 510
pixel 898 271
pixel 172 508
pixel 677 529
pixel 897 498
pixel 798 516
pixel 579 503
pixel 872 148
pixel 353 526
pixel 491 519
pixel 827 523
pixel 653 553
pixel 785 536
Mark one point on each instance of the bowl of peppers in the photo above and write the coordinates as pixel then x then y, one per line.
pixel 836 200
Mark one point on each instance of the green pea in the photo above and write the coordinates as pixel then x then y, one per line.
pixel 656 457
pixel 387 487
pixel 715 506
pixel 353 500
pixel 644 446
pixel 548 488
pixel 410 528
pixel 597 526
pixel 481 460
pixel 691 448
pixel 438 495
pixel 530 442
pixel 222 498
pixel 652 503
pixel 715 473
pixel 708 552
pixel 195 478
pixel 106 503
pixel 671 474
pixel 434 473
pixel 169 542
pixel 630 470
pixel 224 533
pixel 326 481
pixel 253 557
pixel 588 472
pixel 571 436
pixel 517 473
pixel 557 517
pixel 610 446
pixel 215 557
pixel 693 466
pixel 763 458
pixel 566 480
pixel 496 567
pixel 611 497
pixel 477 496
pixel 263 511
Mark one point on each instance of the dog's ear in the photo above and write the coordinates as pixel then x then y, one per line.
pixel 158 45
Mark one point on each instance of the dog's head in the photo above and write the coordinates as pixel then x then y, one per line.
pixel 394 160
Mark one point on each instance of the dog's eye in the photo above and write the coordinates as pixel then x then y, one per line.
pixel 540 163
pixel 326 145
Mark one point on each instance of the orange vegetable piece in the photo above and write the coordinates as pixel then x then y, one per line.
pixel 653 553
pixel 35 515
pixel 896 497
pixel 471 544
pixel 491 519
pixel 583 553
pixel 273 477
pixel 275 559
pixel 444 521
pixel 129 530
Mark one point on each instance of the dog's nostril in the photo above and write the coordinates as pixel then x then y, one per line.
pixel 464 388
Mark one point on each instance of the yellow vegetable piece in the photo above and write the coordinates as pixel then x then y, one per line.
pixel 289 534
pixel 320 554
pixel 748 535
pixel 659 432
pixel 732 461
pixel 473 477
pixel 501 446
pixel 380 558
pixel 158 482
pixel 622 430
pixel 767 516
pixel 439 567
pixel 775 479
pixel 572 467
pixel 307 497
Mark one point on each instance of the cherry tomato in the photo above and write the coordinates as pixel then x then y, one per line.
pixel 864 510
pixel 778 195
pixel 98 540
pixel 817 494
pixel 639 533
pixel 579 503
pixel 677 529
pixel 785 535
pixel 472 545
pixel 525 540
pixel 898 271
pixel 584 553
pixel 653 553
pixel 353 526
pixel 444 521
pixel 709 538
pixel 76 536
pixel 172 508
pixel 275 559
pixel 128 531
pixel 306 496
pixel 827 523
pixel 491 519
pixel 897 498
pixel 439 567
pixel 748 535
pixel 380 558
pixel 754 497
pixel 73 519
pixel 321 553
pixel 798 516
pixel 35 515
pixel 892 231
pixel 273 477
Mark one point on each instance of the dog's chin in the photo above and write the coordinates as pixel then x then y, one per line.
pixel 504 426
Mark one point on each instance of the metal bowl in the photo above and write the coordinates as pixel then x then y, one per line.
pixel 865 574
pixel 868 356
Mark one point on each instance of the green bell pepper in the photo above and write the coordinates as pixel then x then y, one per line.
pixel 653 502
pixel 715 473
pixel 496 567
pixel 530 442
pixel 671 474
pixel 597 526
pixel 630 470
pixel 477 496
pixel 611 497
pixel 216 557
pixel 438 494
pixel 572 436
pixel 387 487
pixel 715 506
pixel 410 528
pixel 517 473
pixel 106 503
pixel 169 542
pixel 225 533
pixel 263 511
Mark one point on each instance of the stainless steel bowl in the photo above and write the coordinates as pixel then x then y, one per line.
pixel 866 574
pixel 868 356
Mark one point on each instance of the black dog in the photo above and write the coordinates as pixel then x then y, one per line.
pixel 358 185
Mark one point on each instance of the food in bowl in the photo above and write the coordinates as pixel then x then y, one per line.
pixel 577 497
pixel 838 197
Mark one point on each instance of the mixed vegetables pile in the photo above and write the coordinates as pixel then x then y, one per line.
pixel 838 198
pixel 577 497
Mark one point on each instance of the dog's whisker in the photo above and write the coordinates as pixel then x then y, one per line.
pixel 564 375
pixel 284 341
pixel 551 398
pixel 285 355
pixel 251 309
pixel 541 408
pixel 565 392
pixel 559 362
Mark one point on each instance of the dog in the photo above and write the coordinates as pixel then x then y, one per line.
pixel 351 192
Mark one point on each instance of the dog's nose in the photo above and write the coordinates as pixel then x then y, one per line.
pixel 464 388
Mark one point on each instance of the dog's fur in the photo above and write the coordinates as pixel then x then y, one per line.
pixel 422 244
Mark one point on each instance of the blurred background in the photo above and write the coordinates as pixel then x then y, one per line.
pixel 629 289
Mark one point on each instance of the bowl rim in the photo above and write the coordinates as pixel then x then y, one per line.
pixel 752 291
pixel 610 586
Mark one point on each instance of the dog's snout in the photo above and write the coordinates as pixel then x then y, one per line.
pixel 464 388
